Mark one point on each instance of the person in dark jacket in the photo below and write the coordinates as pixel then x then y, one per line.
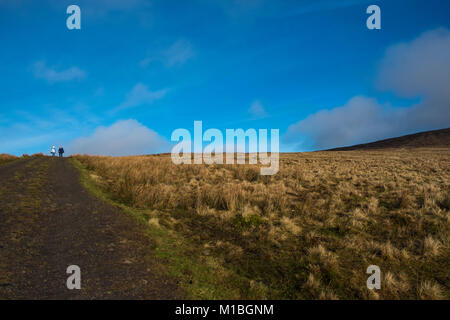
pixel 61 152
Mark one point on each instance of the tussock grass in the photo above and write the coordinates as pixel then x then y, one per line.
pixel 5 158
pixel 310 231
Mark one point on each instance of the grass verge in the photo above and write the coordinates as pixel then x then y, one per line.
pixel 308 232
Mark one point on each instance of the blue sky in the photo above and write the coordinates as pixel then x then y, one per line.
pixel 137 70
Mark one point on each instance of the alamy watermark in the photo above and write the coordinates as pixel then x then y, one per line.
pixel 190 150
pixel 74 280
pixel 74 20
pixel 374 280
pixel 374 20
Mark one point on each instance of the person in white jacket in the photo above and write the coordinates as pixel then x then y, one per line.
pixel 53 152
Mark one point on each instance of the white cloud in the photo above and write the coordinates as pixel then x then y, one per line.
pixel 125 137
pixel 99 92
pixel 37 131
pixel 119 4
pixel 145 62
pixel 102 8
pixel 257 110
pixel 250 9
pixel 361 119
pixel 176 55
pixel 42 71
pixel 140 95
pixel 180 52
pixel 420 68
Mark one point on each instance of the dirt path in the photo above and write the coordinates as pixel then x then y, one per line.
pixel 49 222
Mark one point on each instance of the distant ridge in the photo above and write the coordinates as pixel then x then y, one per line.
pixel 427 139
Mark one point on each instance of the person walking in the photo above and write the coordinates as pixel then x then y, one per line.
pixel 61 152
pixel 53 151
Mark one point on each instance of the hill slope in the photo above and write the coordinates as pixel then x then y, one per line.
pixel 427 139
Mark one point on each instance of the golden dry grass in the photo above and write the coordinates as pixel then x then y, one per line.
pixel 311 230
pixel 5 158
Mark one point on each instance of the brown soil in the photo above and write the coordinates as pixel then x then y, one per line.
pixel 49 222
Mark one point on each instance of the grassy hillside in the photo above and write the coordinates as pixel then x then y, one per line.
pixel 308 232
pixel 5 158
pixel 427 139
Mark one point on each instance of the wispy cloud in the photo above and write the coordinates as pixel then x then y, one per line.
pixel 420 68
pixel 177 54
pixel 270 9
pixel 119 4
pixel 51 74
pixel 125 137
pixel 180 52
pixel 140 95
pixel 145 62
pixel 99 92
pixel 257 110
pixel 27 132
pixel 102 8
